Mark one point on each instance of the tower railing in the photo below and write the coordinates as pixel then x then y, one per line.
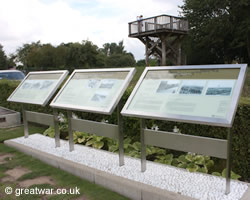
pixel 158 23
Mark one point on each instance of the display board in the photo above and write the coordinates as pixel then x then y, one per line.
pixel 38 87
pixel 96 90
pixel 197 94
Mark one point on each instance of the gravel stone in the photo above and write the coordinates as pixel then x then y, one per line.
pixel 195 185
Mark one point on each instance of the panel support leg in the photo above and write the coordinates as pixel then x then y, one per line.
pixel 229 161
pixel 71 140
pixel 25 122
pixel 143 146
pixel 56 128
pixel 121 135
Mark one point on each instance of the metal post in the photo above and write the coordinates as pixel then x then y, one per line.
pixel 121 135
pixel 229 161
pixel 25 122
pixel 71 140
pixel 56 128
pixel 143 147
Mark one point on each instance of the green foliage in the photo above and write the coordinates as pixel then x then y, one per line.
pixel 194 163
pixel 88 140
pixel 3 59
pixel 49 132
pixel 152 62
pixel 63 127
pixel 37 56
pixel 120 60
pixel 223 174
pixel 9 133
pixel 165 159
pixel 112 48
pixel 240 130
pixel 227 22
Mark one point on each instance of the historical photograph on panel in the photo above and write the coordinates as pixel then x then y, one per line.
pixel 191 87
pixel 26 85
pixel 92 83
pixel 107 84
pixel 35 85
pixel 99 96
pixel 220 87
pixel 168 87
pixel 46 84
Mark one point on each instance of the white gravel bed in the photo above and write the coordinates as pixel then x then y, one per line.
pixel 195 185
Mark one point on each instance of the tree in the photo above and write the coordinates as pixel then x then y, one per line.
pixel 11 61
pixel 3 59
pixel 121 60
pixel 81 55
pixel 23 54
pixel 70 56
pixel 219 31
pixel 112 48
pixel 116 56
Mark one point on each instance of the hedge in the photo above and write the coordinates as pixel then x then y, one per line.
pixel 240 130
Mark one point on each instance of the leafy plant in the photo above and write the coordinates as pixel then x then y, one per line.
pixel 80 137
pixel 88 140
pixel 49 132
pixel 165 159
pixel 191 162
pixel 113 145
pixel 134 149
pixel 194 163
pixel 63 126
pixel 223 174
pixel 95 141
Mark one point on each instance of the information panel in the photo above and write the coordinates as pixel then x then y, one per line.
pixel 97 90
pixel 197 94
pixel 38 87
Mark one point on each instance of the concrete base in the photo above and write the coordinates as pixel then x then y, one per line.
pixel 9 118
pixel 131 189
pixel 128 188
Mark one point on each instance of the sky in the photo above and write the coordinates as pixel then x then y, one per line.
pixel 62 21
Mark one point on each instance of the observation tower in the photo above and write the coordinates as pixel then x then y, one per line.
pixel 161 35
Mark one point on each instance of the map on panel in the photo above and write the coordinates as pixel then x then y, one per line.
pixel 166 93
pixel 93 90
pixel 37 87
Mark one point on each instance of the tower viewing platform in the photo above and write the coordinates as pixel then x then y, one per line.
pixel 158 24
pixel 161 35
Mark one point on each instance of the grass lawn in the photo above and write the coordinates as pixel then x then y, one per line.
pixel 9 133
pixel 36 169
pixel 137 75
